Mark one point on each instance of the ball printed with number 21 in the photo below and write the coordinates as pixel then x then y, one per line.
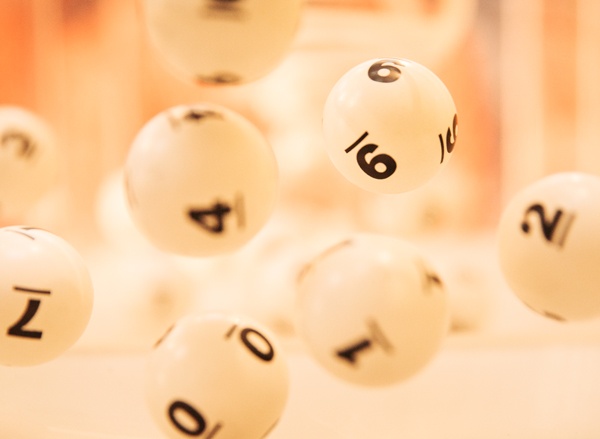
pixel 390 125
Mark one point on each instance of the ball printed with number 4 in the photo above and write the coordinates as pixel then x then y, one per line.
pixel 201 180
pixel 217 375
pixel 549 246
pixel 390 125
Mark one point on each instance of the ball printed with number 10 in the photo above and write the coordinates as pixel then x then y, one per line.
pixel 390 125
pixel 217 376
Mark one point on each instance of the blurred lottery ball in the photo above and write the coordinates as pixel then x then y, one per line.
pixel 549 245
pixel 371 310
pixel 222 41
pixel 46 296
pixel 390 125
pixel 201 180
pixel 217 375
pixel 28 159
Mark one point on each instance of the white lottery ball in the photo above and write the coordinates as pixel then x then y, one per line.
pixel 217 376
pixel 201 180
pixel 28 159
pixel 390 125
pixel 549 245
pixel 222 41
pixel 371 310
pixel 46 296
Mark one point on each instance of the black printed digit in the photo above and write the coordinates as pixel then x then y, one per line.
pixel 21 142
pixel 211 219
pixel 375 337
pixel 265 352
pixel 380 166
pixel 18 328
pixel 554 228
pixel 350 353
pixel 189 421
pixel 451 136
pixel 386 70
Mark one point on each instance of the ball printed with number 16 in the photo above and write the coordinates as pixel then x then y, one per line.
pixel 390 125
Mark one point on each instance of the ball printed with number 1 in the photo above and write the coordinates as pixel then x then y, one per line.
pixel 390 125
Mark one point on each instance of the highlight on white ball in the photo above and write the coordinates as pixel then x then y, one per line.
pixel 217 375
pixel 46 296
pixel 28 159
pixel 222 41
pixel 371 310
pixel 201 180
pixel 549 245
pixel 390 125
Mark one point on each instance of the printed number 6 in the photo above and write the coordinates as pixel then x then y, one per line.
pixel 390 67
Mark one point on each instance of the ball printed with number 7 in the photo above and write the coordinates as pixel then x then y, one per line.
pixel 389 125
pixel 201 180
pixel 217 375
pixel 46 296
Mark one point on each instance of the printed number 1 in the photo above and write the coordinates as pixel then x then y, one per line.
pixel 375 336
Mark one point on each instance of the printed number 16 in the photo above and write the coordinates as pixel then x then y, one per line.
pixel 370 167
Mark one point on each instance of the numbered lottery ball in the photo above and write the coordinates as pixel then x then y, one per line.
pixel 28 160
pixel 45 296
pixel 217 376
pixel 222 41
pixel 549 246
pixel 390 125
pixel 201 180
pixel 371 310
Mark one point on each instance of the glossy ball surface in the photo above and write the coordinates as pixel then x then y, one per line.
pixel 28 159
pixel 46 296
pixel 390 125
pixel 201 180
pixel 371 310
pixel 549 245
pixel 222 41
pixel 217 375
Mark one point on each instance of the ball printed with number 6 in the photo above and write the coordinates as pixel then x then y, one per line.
pixel 390 125
pixel 201 180
pixel 217 375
